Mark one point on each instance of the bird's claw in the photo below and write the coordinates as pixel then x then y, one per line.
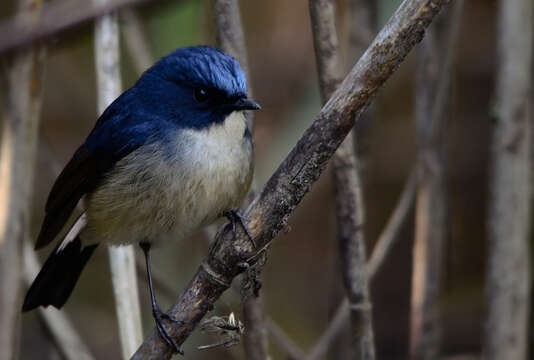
pixel 234 216
pixel 159 316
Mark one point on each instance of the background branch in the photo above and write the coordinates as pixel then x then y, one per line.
pixel 382 248
pixel 269 212
pixel 122 259
pixel 66 337
pixel 508 274
pixel 432 103
pixel 347 187
pixel 55 18
pixel 22 108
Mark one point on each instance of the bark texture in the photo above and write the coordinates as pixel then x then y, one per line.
pixel 508 269
pixel 17 160
pixel 270 210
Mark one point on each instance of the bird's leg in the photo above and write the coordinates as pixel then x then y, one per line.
pixel 156 311
pixel 235 216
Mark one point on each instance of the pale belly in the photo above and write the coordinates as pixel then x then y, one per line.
pixel 154 196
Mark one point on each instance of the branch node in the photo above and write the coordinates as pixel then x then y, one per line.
pixel 213 275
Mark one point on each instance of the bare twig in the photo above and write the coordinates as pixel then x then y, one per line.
pixel 382 248
pixel 56 17
pixel 17 160
pixel 269 212
pixel 433 84
pixel 230 38
pixel 68 341
pixel 339 321
pixel 390 233
pixel 284 341
pixel 122 259
pixel 347 187
pixel 509 217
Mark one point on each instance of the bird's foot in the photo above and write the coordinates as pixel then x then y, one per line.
pixel 159 316
pixel 235 216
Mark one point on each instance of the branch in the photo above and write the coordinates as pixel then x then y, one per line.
pixel 383 247
pixel 338 322
pixel 17 160
pixel 122 259
pixel 391 231
pixel 347 187
pixel 56 17
pixel 270 210
pixel 432 101
pixel 68 341
pixel 284 341
pixel 508 273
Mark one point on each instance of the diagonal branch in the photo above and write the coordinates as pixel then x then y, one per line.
pixel 56 17
pixel 67 339
pixel 269 212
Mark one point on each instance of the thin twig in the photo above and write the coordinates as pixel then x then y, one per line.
pixel 270 210
pixel 347 187
pixel 122 259
pixel 67 339
pixel 339 321
pixel 432 100
pixel 383 246
pixel 508 290
pixel 391 231
pixel 284 341
pixel 17 160
pixel 56 17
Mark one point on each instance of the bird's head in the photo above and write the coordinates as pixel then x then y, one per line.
pixel 199 85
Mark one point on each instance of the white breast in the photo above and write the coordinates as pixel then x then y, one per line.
pixel 168 190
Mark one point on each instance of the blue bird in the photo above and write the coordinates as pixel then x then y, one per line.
pixel 167 157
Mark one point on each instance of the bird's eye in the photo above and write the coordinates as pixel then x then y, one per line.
pixel 201 95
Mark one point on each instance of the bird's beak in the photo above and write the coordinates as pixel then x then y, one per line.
pixel 245 104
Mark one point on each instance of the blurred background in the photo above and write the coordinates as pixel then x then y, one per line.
pixel 301 281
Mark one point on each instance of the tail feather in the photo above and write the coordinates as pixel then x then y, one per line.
pixel 55 282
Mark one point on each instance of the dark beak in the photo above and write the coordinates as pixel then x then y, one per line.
pixel 245 104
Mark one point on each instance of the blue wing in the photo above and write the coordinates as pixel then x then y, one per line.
pixel 120 130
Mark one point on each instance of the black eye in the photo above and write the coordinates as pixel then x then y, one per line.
pixel 201 95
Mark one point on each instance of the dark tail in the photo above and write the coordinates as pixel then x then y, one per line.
pixel 55 282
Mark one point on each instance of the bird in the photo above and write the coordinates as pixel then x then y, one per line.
pixel 170 155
